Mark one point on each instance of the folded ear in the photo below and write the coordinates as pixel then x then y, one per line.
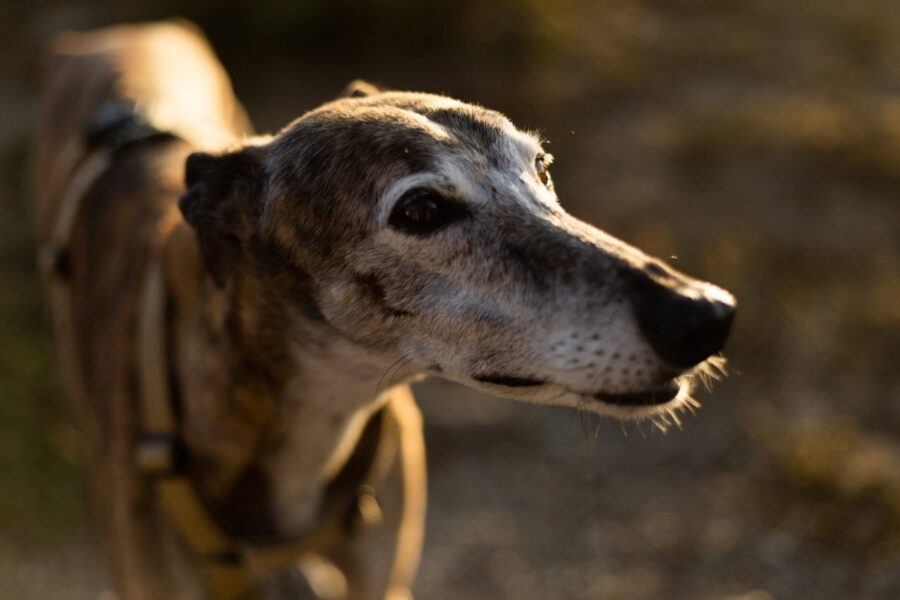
pixel 360 89
pixel 222 203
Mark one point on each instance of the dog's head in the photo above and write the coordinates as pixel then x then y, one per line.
pixel 428 231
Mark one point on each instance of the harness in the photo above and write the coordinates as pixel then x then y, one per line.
pixel 232 567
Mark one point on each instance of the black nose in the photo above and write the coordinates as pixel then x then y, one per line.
pixel 684 320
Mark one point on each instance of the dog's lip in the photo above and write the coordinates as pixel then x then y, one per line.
pixel 508 380
pixel 653 397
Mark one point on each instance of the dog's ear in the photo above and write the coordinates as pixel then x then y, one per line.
pixel 222 203
pixel 360 89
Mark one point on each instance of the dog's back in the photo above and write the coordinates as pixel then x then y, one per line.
pixel 165 72
pixel 121 109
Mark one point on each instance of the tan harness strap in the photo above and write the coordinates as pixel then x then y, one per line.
pixel 85 176
pixel 54 258
pixel 158 444
pixel 157 416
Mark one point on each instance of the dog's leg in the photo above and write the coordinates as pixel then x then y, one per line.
pixel 380 563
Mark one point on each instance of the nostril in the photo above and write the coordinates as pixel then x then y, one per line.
pixel 684 322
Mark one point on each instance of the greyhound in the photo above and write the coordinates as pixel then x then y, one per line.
pixel 238 316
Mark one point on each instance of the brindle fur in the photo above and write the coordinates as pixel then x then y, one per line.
pixel 292 305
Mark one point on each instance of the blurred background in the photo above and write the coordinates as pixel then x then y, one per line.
pixel 755 142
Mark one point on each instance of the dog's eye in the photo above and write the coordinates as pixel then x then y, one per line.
pixel 423 211
pixel 541 166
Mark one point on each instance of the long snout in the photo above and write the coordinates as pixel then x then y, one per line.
pixel 684 320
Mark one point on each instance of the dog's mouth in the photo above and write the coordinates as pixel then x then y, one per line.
pixel 654 397
pixel 661 402
pixel 661 394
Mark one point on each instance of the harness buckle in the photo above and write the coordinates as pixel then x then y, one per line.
pixel 365 513
pixel 155 454
pixel 54 259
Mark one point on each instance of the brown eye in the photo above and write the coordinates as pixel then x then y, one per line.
pixel 423 211
pixel 540 166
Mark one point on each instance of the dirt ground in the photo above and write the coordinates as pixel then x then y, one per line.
pixel 757 141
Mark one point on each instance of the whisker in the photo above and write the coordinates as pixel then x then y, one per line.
pixel 581 413
pixel 673 413
pixel 640 429
pixel 560 395
pixel 378 387
pixel 397 372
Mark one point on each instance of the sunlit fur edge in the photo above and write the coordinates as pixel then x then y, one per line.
pixel 664 416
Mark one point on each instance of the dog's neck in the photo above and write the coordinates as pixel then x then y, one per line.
pixel 272 405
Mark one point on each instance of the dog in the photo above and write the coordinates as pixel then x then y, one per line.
pixel 238 316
